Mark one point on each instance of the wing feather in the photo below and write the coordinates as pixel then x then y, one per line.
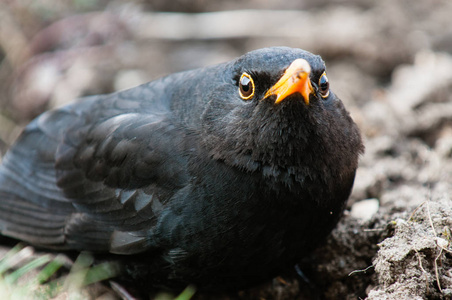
pixel 93 175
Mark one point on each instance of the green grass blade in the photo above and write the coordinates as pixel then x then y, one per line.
pixel 36 263
pixel 100 272
pixel 49 270
pixel 187 294
pixel 5 261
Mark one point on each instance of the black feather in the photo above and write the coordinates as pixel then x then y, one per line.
pixel 195 184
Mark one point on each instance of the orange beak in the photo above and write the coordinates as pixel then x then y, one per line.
pixel 295 80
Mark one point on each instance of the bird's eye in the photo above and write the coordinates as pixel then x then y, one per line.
pixel 246 86
pixel 324 86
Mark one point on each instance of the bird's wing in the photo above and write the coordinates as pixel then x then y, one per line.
pixel 94 175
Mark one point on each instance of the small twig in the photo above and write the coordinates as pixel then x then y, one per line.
pixel 415 210
pixel 430 217
pixel 440 251
pixel 436 269
pixel 420 262
pixel 445 249
pixel 372 230
pixel 422 268
pixel 281 280
pixel 360 271
pixel 121 291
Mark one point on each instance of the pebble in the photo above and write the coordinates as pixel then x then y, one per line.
pixel 365 209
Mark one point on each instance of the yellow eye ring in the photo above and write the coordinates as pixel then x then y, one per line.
pixel 324 86
pixel 246 86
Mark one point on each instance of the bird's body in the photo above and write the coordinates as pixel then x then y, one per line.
pixel 189 175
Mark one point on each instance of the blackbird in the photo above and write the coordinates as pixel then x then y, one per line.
pixel 221 177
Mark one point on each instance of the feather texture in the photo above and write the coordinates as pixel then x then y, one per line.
pixel 184 177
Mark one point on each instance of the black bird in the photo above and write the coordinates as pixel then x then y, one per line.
pixel 221 177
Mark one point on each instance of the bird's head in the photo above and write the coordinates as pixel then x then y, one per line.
pixel 276 74
pixel 273 109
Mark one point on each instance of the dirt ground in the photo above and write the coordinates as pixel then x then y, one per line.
pixel 389 61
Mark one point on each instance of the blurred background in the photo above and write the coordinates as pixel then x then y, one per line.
pixel 389 61
pixel 52 51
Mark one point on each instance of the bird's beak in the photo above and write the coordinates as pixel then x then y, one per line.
pixel 295 80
